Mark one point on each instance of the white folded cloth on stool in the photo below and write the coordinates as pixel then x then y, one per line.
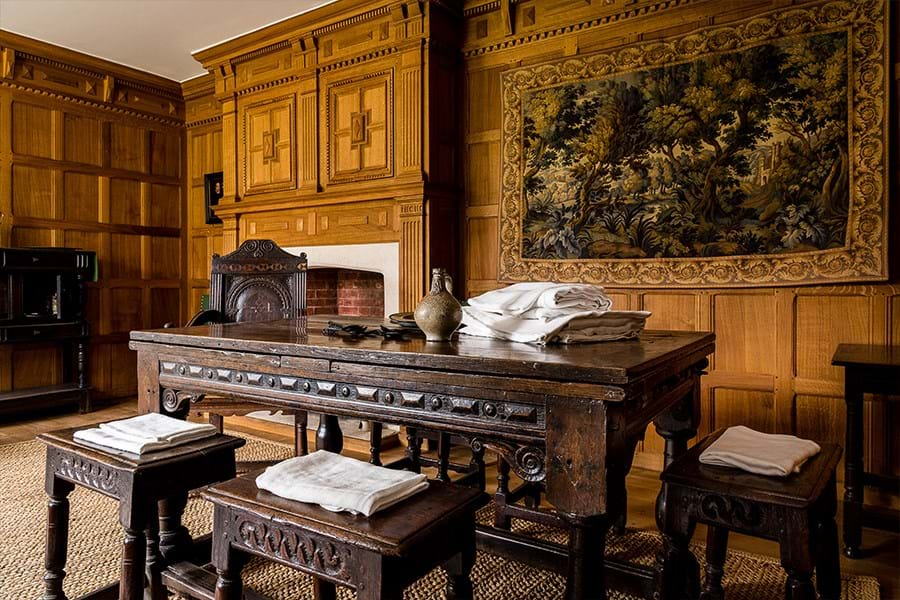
pixel 340 483
pixel 757 452
pixel 566 327
pixel 520 298
pixel 144 433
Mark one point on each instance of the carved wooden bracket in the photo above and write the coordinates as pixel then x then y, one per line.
pixel 526 461
pixel 175 401
pixel 8 63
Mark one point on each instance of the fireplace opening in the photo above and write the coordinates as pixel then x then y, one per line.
pixel 345 292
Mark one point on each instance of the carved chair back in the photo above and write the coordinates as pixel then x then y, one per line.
pixel 258 282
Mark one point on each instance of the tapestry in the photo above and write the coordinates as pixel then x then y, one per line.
pixel 732 165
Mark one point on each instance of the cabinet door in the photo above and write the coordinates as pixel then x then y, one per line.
pixel 269 161
pixel 359 128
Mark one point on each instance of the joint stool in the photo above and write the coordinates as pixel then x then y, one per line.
pixel 137 483
pixel 378 556
pixel 797 511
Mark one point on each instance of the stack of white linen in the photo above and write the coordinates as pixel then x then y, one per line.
pixel 761 453
pixel 340 483
pixel 144 433
pixel 546 312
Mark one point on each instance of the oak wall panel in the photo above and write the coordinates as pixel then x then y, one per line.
pixel 95 163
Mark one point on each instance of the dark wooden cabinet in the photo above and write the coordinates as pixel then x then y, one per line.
pixel 42 300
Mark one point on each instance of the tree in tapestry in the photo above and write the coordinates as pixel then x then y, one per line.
pixel 741 153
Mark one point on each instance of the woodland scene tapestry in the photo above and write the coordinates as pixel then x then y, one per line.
pixel 727 167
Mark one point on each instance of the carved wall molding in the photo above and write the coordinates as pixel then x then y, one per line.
pixel 568 28
pixel 202 122
pixel 92 104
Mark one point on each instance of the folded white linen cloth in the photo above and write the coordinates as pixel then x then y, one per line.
pixel 340 483
pixel 158 427
pixel 574 327
pixel 104 438
pixel 757 452
pixel 520 298
pixel 144 433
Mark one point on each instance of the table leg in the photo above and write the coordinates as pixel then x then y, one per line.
pixel 853 468
pixel 585 578
pixel 329 436
pixel 57 542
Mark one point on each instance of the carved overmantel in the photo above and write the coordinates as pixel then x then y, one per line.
pixel 327 137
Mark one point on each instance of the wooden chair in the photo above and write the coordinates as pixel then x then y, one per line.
pixel 137 483
pixel 257 282
pixel 378 556
pixel 797 511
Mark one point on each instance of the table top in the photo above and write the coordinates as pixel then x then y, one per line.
pixel 616 362
pixel 866 355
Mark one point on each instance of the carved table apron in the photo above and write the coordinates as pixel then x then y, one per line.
pixel 566 416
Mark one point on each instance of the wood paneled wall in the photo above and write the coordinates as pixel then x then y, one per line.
pixel 771 370
pixel 203 119
pixel 91 156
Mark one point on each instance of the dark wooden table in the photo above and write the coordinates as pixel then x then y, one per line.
pixel 873 370
pixel 566 416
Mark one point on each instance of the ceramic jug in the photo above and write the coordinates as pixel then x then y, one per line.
pixel 439 313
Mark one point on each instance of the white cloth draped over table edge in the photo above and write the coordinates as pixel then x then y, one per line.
pixel 144 433
pixel 547 312
pixel 340 483
pixel 761 453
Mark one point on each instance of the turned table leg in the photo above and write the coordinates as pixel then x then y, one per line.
pixel 155 562
pixel 375 442
pixel 174 539
pixel 57 541
pixel 329 436
pixel 853 468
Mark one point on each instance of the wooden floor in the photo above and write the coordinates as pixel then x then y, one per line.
pixel 883 549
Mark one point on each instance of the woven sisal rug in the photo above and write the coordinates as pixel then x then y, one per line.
pixel 94 556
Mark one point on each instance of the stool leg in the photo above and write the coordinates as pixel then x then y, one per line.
pixel 501 521
pixel 376 581
pixel 828 563
pixel 716 550
pixel 459 584
pixel 226 561
pixel 323 590
pixel 796 558
pixel 134 553
pixel 57 542
pixel 155 562
pixel 174 538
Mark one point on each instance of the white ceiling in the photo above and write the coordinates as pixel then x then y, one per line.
pixel 152 35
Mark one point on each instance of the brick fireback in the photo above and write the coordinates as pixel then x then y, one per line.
pixel 345 292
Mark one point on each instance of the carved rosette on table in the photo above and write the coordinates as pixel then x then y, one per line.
pixel 864 254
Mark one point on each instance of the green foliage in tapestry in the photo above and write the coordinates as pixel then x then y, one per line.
pixel 742 153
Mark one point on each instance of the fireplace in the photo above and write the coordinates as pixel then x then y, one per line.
pixel 353 279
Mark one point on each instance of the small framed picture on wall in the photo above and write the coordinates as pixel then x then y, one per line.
pixel 214 188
